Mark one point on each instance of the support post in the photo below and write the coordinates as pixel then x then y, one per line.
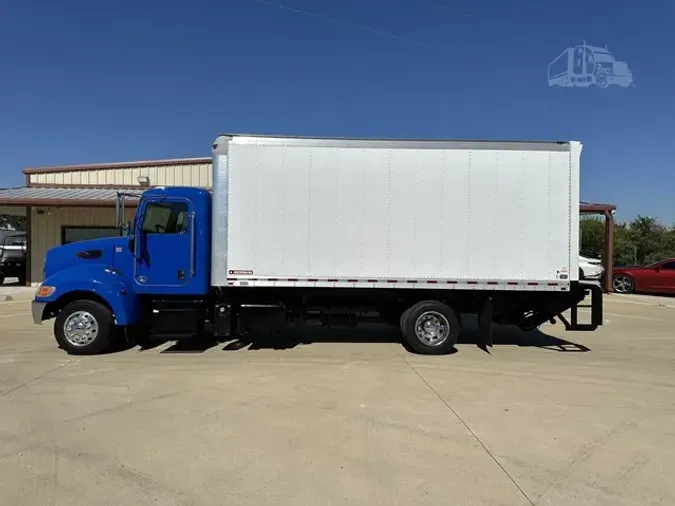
pixel 608 260
pixel 29 245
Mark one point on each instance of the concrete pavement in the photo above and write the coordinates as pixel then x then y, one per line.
pixel 12 290
pixel 549 418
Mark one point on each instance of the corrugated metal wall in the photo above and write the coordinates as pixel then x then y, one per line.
pixel 13 210
pixel 46 226
pixel 196 174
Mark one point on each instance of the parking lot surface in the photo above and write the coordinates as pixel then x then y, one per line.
pixel 345 417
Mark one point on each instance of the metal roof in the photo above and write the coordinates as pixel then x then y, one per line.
pixel 26 196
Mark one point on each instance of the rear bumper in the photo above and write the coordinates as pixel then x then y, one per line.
pixel 37 309
pixel 595 291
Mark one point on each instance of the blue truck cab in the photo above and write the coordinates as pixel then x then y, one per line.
pixel 93 287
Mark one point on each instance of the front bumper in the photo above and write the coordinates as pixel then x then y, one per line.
pixel 593 272
pixel 37 308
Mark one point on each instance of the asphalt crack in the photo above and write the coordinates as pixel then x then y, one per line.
pixel 39 377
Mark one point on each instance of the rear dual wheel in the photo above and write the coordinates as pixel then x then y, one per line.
pixel 430 327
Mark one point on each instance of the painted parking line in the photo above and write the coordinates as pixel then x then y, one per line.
pixel 655 303
pixel 632 317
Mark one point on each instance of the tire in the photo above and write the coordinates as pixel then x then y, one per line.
pixel 2 279
pixel 623 283
pixel 83 340
pixel 439 317
pixel 401 320
pixel 601 79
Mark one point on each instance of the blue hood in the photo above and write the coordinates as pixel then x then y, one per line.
pixel 94 251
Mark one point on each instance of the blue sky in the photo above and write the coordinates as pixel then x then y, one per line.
pixel 127 80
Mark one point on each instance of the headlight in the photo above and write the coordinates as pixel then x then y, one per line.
pixel 44 291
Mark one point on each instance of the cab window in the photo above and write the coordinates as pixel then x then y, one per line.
pixel 165 218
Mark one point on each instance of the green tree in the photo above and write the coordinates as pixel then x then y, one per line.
pixel 625 250
pixel 592 236
pixel 649 237
pixel 639 242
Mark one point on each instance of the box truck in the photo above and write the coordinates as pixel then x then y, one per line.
pixel 336 231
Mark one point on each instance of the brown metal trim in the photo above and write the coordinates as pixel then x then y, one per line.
pixel 65 203
pixel 92 186
pixel 587 207
pixel 53 186
pixel 117 165
pixel 29 245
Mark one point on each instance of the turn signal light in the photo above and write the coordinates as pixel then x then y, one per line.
pixel 45 291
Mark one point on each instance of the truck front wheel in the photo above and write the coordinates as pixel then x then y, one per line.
pixel 84 327
pixel 430 327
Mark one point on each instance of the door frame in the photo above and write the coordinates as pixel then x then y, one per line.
pixel 138 234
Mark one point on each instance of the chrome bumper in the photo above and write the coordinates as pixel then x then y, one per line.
pixel 37 309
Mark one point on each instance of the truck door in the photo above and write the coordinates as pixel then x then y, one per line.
pixel 582 65
pixel 163 246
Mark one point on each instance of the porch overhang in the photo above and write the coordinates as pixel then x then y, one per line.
pixel 64 197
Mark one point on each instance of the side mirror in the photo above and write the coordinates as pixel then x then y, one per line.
pixel 657 269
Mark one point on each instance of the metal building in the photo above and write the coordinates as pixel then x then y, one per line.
pixel 71 203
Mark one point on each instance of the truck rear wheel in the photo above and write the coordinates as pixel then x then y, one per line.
pixel 430 327
pixel 84 327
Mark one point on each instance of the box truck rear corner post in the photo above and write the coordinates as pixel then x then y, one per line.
pixel 336 232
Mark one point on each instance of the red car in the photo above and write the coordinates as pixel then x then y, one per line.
pixel 655 278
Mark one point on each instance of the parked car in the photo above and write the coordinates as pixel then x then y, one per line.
pixel 655 278
pixel 590 268
pixel 12 255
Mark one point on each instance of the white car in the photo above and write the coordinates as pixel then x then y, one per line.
pixel 590 268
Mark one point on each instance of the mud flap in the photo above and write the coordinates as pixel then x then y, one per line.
pixel 485 323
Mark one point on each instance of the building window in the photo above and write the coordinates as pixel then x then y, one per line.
pixel 74 234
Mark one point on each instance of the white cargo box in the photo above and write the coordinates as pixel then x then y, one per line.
pixel 395 214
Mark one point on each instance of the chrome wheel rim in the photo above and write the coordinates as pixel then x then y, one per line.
pixel 80 328
pixel 622 284
pixel 432 328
